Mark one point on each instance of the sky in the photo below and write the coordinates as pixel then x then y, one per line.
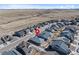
pixel 39 6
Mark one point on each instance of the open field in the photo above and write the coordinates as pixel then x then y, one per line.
pixel 13 20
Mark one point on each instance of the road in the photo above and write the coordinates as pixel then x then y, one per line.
pixel 15 43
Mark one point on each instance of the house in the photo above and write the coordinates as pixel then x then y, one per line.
pixel 60 47
pixel 20 33
pixel 64 39
pixel 66 22
pixel 60 24
pixel 11 52
pixel 71 29
pixel 45 35
pixel 73 22
pixel 68 35
pixel 36 41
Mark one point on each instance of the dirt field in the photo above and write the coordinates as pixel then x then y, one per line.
pixel 13 20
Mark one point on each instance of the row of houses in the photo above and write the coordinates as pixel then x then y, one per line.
pixel 55 35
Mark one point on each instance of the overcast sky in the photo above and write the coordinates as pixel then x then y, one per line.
pixel 39 6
